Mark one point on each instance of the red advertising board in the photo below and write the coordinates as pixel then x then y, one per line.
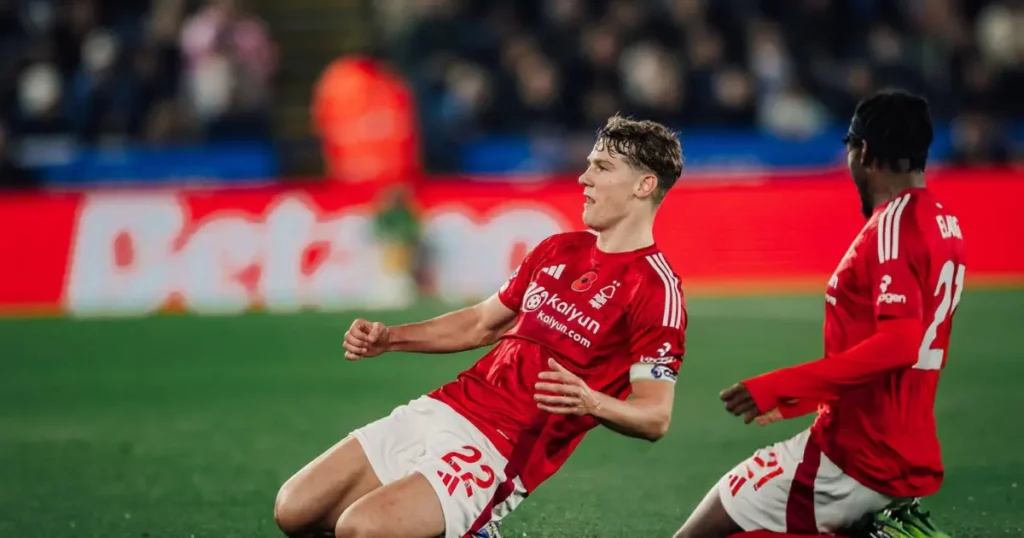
pixel 284 248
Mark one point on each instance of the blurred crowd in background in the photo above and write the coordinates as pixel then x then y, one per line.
pixel 788 67
pixel 78 72
pixel 160 73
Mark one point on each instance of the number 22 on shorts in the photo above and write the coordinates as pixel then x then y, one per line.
pixel 463 475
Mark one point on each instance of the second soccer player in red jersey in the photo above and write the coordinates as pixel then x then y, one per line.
pixel 889 310
pixel 585 322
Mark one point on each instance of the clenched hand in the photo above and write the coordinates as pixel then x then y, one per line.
pixel 365 339
pixel 740 402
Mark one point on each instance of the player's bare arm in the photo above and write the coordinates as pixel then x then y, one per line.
pixel 645 415
pixel 469 328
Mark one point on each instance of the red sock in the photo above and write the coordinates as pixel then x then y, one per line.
pixel 769 534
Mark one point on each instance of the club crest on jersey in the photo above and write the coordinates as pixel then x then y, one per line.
pixel 601 298
pixel 584 282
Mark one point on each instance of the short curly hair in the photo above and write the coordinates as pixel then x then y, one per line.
pixel 897 126
pixel 646 146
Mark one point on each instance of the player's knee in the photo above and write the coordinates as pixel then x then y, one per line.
pixel 289 514
pixel 359 524
pixel 709 520
pixel 684 533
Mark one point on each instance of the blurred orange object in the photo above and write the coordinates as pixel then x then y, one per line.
pixel 365 116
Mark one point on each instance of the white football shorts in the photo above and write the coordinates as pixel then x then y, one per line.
pixel 792 487
pixel 467 472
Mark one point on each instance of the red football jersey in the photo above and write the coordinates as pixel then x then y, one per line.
pixel 608 318
pixel 907 263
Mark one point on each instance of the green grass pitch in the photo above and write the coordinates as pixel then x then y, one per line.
pixel 185 427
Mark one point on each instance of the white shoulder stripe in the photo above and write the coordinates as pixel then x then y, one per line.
pixel 880 229
pixel 896 226
pixel 676 311
pixel 889 229
pixel 673 313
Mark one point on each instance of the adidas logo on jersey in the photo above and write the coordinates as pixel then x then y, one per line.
pixel 554 270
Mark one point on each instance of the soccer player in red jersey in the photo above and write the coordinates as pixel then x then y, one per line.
pixel 588 319
pixel 888 315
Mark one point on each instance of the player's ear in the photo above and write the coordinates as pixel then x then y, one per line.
pixel 864 153
pixel 645 186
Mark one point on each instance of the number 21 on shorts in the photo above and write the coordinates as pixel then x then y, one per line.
pixel 950 286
